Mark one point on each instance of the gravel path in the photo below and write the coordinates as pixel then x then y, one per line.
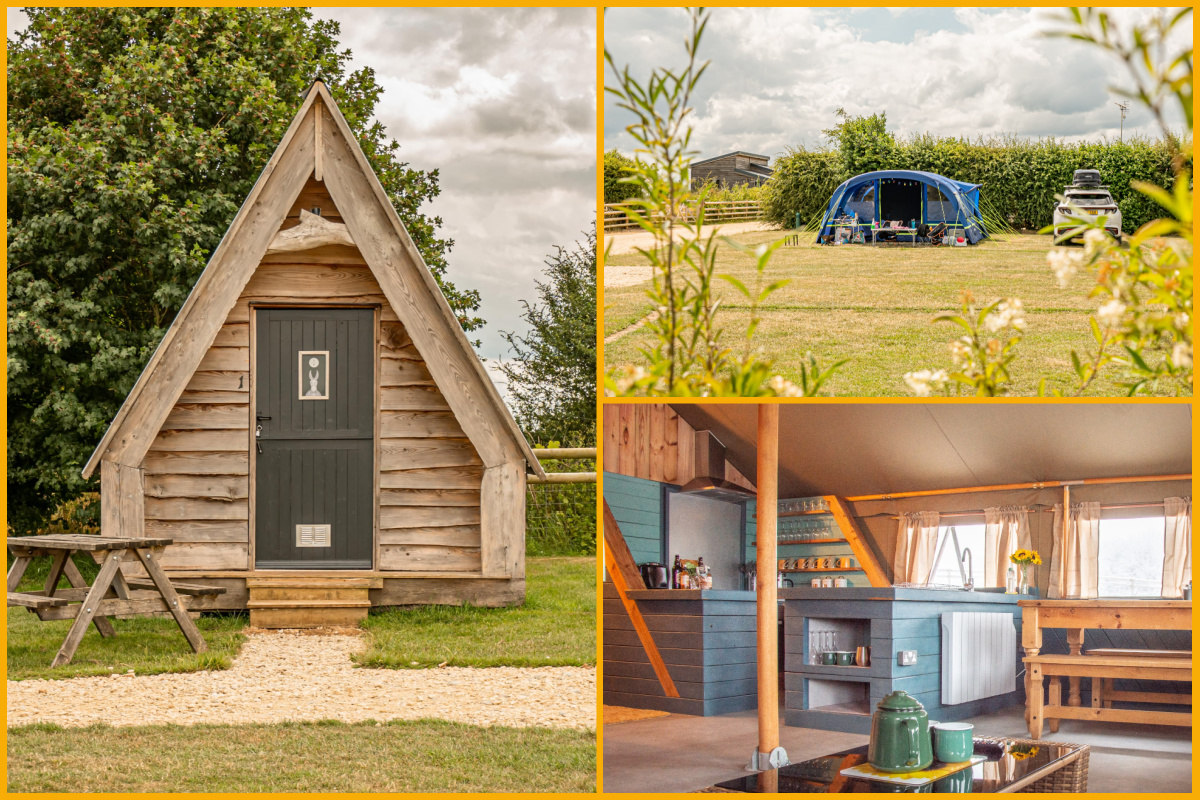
pixel 285 676
pixel 626 242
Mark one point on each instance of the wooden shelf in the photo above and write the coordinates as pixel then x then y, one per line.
pixel 798 514
pixel 845 569
pixel 808 541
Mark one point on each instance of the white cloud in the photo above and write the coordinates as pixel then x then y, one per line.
pixel 778 75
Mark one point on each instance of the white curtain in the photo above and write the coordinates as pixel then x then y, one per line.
pixel 1073 565
pixel 1177 546
pixel 1005 532
pixel 916 543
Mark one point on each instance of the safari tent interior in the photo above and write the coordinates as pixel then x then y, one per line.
pixel 1080 681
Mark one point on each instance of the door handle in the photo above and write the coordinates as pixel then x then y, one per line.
pixel 261 417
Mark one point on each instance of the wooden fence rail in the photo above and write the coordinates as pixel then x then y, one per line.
pixel 564 454
pixel 615 217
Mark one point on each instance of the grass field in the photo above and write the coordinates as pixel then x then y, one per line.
pixel 423 756
pixel 555 627
pixel 874 305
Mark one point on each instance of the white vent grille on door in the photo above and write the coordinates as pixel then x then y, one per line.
pixel 313 535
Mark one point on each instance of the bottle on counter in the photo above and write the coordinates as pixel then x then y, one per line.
pixel 676 571
pixel 1010 581
pixel 703 579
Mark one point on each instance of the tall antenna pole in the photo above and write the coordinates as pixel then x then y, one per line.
pixel 1124 107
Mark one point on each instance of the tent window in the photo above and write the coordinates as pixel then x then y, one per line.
pixel 862 202
pixel 945 571
pixel 1131 557
pixel 938 207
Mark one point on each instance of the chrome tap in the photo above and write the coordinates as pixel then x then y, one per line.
pixel 969 581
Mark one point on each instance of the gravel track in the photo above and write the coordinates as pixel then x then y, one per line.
pixel 286 676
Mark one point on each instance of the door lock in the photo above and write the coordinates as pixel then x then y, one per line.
pixel 257 435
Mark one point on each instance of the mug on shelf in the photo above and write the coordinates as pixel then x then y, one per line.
pixel 843 562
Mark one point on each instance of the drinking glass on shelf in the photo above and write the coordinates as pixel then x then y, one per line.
pixel 814 647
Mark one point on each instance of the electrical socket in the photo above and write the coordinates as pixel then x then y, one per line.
pixel 908 658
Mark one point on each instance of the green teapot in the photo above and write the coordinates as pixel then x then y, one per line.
pixel 900 735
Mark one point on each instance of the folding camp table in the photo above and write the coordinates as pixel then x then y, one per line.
pixel 94 604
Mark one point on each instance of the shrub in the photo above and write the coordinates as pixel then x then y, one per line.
pixel 617 166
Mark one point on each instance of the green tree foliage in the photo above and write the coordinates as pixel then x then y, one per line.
pixel 134 134
pixel 616 167
pixel 1020 177
pixel 552 378
pixel 803 182
pixel 863 144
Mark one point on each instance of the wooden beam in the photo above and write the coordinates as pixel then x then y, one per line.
pixel 1034 485
pixel 565 477
pixel 858 542
pixel 502 520
pixel 625 577
pixel 768 609
pixel 414 295
pixel 565 453
pixel 318 156
pixel 312 232
pixel 216 291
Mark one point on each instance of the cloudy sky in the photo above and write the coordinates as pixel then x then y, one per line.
pixel 502 101
pixel 778 75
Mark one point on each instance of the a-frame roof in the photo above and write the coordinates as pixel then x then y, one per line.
pixel 319 143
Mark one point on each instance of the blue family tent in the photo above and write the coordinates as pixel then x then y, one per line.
pixel 893 198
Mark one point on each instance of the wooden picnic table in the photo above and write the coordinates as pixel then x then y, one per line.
pixel 1077 616
pixel 111 594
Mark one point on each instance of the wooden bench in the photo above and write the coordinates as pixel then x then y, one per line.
pixel 1104 686
pixel 1099 668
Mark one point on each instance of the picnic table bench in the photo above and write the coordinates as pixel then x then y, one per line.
pixel 1102 665
pixel 111 594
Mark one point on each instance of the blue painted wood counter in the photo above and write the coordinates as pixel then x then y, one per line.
pixel 887 620
pixel 706 639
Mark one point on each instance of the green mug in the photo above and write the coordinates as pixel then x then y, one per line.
pixel 829 658
pixel 953 742
pixel 961 782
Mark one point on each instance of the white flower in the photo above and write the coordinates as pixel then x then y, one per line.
pixel 632 375
pixel 1181 320
pixel 784 388
pixel 761 250
pixel 1110 313
pixel 960 350
pixel 1094 242
pixel 1064 263
pixel 1009 314
pixel 923 381
pixel 1181 356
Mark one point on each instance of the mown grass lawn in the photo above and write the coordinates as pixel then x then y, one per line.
pixel 421 756
pixel 555 627
pixel 146 646
pixel 874 305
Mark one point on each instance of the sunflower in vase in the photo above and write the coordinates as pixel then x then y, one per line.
pixel 1024 559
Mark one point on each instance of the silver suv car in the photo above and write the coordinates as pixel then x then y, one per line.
pixel 1083 201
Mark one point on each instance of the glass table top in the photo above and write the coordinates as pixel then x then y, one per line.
pixel 1008 762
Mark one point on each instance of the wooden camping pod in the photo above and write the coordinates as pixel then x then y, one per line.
pixel 411 449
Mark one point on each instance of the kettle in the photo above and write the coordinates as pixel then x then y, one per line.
pixel 654 575
pixel 900 735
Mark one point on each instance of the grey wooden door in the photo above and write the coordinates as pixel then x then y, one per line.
pixel 315 430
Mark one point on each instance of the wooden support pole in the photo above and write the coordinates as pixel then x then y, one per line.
pixel 768 607
pixel 1034 485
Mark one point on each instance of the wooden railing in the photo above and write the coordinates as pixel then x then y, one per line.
pixel 565 454
pixel 615 218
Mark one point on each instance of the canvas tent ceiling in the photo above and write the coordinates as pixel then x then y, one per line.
pixel 852 449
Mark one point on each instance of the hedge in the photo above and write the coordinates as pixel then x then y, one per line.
pixel 1020 177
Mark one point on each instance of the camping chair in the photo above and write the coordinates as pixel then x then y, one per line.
pixel 937 235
